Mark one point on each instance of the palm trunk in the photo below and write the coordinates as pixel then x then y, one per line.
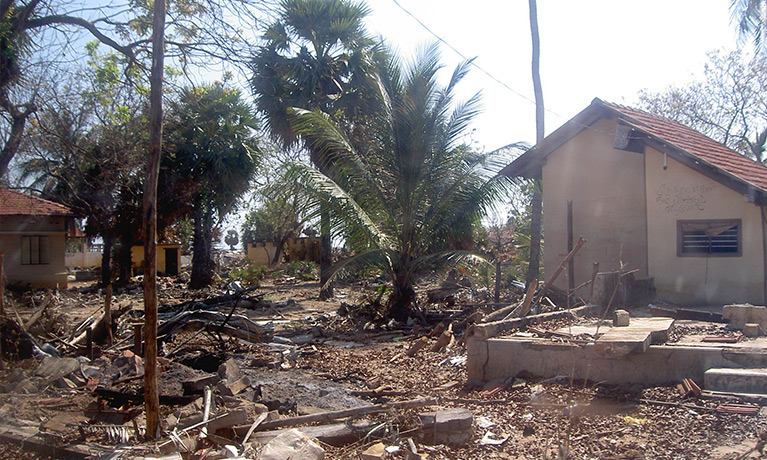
pixel 403 297
pixel 326 258
pixel 202 260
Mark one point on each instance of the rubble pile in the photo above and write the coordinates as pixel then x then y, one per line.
pixel 271 373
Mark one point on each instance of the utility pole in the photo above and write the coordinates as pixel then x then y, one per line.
pixel 533 271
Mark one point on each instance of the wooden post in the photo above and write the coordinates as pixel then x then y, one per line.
pixel 497 296
pixel 561 268
pixel 151 389
pixel 108 314
pixel 571 262
pixel 138 339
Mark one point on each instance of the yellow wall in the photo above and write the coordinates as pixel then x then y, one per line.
pixel 680 193
pixel 52 274
pixel 261 253
pixel 137 256
pixel 606 187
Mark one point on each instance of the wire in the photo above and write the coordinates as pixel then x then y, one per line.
pixel 473 63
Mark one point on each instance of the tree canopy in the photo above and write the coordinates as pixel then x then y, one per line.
pixel 729 104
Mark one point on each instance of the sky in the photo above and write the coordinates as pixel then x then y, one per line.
pixel 610 49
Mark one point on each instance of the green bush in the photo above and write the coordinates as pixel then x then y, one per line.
pixel 303 269
pixel 251 275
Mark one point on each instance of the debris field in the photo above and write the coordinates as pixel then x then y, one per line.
pixel 270 372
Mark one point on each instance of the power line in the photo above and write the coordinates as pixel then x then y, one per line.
pixel 473 63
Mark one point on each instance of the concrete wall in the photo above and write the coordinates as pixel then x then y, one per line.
pixel 261 253
pixel 681 193
pixel 54 273
pixel 83 259
pixel 607 188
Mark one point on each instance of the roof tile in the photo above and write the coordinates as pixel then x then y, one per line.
pixel 14 203
pixel 699 145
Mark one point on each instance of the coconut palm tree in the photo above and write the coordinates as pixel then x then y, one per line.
pixel 414 194
pixel 315 56
pixel 749 16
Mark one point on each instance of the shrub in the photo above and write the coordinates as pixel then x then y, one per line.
pixel 252 274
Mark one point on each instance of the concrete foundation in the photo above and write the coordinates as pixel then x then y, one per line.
pixel 503 358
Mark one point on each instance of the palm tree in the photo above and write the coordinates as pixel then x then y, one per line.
pixel 749 16
pixel 316 57
pixel 213 150
pixel 414 195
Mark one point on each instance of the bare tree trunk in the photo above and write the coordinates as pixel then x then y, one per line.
pixel 18 122
pixel 326 255
pixel 151 389
pixel 533 271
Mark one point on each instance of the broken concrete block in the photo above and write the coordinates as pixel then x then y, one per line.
pixel 228 388
pixel 375 452
pixel 292 445
pixel 751 330
pixel 229 371
pixel 198 384
pixel 740 315
pixel 453 426
pixel 621 318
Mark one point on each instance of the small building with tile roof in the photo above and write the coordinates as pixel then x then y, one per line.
pixel 33 235
pixel 662 199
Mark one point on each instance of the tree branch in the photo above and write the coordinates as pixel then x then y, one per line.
pixel 80 22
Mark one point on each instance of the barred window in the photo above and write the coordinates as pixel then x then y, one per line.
pixel 709 238
pixel 35 250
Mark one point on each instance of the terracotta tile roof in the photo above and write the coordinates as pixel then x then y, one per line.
pixel 696 144
pixel 14 203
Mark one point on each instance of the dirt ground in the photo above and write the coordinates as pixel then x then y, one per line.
pixel 338 355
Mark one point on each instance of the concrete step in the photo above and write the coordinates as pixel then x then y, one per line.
pixel 734 380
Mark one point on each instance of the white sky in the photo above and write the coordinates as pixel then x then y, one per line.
pixel 609 49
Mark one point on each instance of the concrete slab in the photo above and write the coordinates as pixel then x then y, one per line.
pixel 634 338
pixel 736 380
